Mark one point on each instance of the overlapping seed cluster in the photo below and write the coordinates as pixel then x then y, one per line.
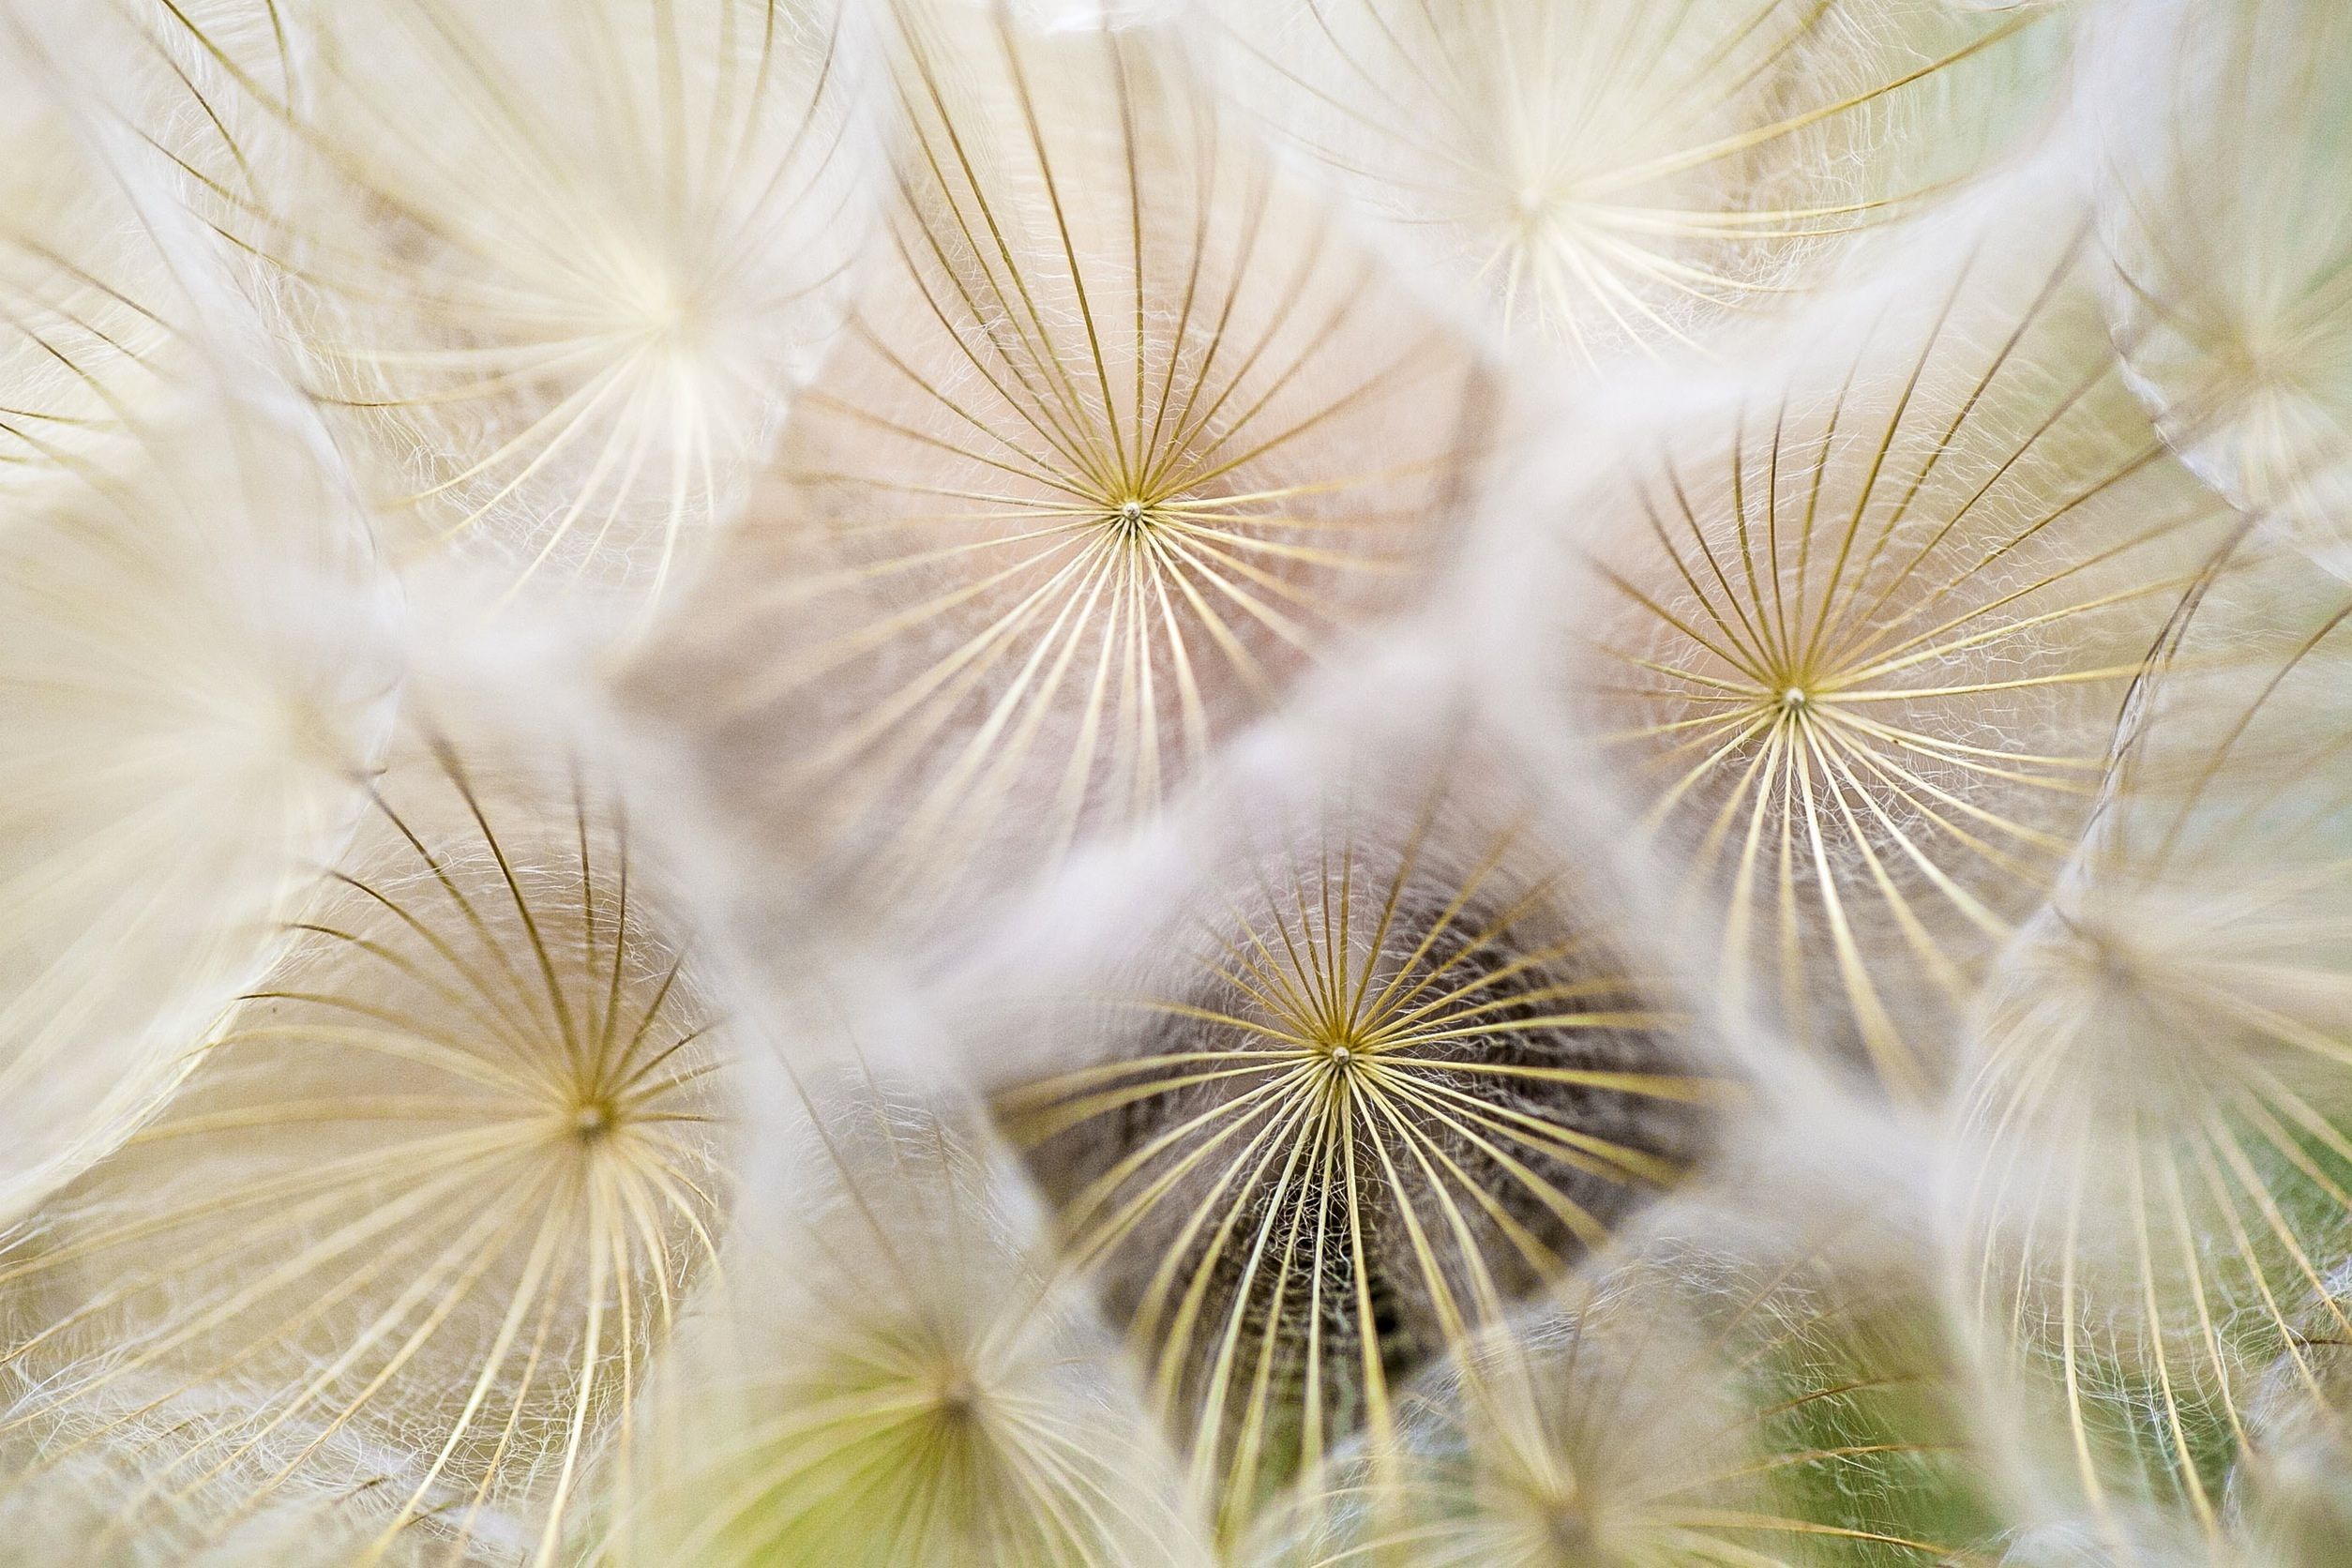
pixel 1097 782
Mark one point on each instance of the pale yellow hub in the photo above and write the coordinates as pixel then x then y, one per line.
pixel 1132 518
pixel 957 1394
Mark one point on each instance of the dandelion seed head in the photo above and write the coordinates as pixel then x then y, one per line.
pixel 1865 637
pixel 2228 286
pixel 1612 178
pixel 1678 1391
pixel 890 1312
pixel 1393 1092
pixel 555 335
pixel 1067 512
pixel 445 1178
pixel 197 653
pixel 2153 1216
